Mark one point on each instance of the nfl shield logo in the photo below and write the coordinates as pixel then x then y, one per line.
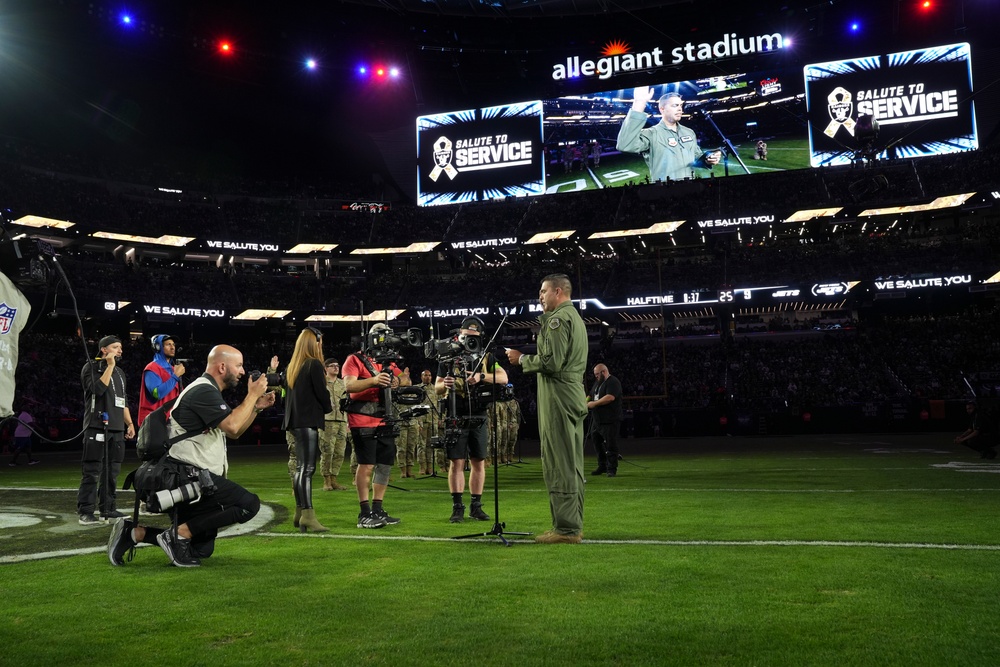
pixel 6 318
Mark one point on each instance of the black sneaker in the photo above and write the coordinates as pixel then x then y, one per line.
pixel 120 542
pixel 177 549
pixel 369 520
pixel 476 512
pixel 457 514
pixel 599 471
pixel 385 518
pixel 612 473
pixel 90 520
pixel 112 516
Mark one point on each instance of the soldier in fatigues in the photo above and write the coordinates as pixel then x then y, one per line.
pixel 429 427
pixel 560 364
pixel 333 437
pixel 503 428
pixel 511 425
pixel 407 442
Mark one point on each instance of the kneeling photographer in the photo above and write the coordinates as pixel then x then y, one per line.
pixel 201 409
pixel 467 371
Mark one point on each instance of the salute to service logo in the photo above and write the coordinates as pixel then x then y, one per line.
pixel 840 108
pixel 442 158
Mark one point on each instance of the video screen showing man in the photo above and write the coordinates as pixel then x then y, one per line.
pixel 670 150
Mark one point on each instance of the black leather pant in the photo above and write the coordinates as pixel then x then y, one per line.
pixel 307 453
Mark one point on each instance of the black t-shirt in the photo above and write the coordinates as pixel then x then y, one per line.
pixel 612 412
pixel 202 408
pixel 103 398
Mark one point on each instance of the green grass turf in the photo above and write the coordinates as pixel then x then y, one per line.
pixel 782 154
pixel 805 551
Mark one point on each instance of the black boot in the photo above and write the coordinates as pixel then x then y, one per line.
pixel 457 513
pixel 476 512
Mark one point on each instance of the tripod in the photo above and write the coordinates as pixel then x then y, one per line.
pixel 498 526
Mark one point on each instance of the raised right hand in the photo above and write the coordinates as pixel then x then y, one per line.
pixel 641 96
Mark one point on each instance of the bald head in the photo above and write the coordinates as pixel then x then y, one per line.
pixel 601 372
pixel 225 365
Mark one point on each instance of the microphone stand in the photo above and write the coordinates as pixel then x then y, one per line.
pixel 728 145
pixel 498 526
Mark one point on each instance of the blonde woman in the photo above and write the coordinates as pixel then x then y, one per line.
pixel 306 403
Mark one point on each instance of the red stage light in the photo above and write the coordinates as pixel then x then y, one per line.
pixel 225 47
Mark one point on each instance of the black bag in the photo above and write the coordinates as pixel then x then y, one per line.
pixel 162 475
pixel 153 440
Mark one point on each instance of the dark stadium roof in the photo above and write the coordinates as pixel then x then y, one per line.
pixel 516 8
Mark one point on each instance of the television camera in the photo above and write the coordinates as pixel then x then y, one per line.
pixel 464 352
pixel 384 345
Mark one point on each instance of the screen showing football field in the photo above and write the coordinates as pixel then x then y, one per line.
pixel 756 122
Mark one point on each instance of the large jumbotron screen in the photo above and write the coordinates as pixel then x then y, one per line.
pixel 762 121
pixel 921 101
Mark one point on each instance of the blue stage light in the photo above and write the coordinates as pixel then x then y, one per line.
pixel 311 64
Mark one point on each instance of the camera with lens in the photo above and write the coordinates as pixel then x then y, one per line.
pixel 192 492
pixel 448 349
pixel 465 342
pixel 274 380
pixel 384 344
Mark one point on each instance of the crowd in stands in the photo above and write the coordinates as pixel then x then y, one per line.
pixel 866 362
pixel 899 358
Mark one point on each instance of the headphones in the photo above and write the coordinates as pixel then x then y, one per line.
pixel 316 332
pixel 472 323
pixel 158 344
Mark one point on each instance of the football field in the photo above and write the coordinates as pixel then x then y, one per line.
pixel 807 550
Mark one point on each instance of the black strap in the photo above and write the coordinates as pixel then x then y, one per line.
pixel 368 364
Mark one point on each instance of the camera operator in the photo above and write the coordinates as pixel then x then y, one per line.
pixel 202 408
pixel 456 375
pixel 373 439
pixel 107 423
pixel 161 379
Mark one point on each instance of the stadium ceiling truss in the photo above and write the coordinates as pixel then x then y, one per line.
pixel 516 8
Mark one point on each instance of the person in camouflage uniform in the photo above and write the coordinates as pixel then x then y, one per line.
pixel 407 441
pixel 333 437
pixel 509 425
pixel 560 363
pixel 429 428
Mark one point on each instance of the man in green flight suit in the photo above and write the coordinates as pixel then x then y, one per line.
pixel 670 150
pixel 562 406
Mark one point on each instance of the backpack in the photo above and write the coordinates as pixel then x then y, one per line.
pixel 153 440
